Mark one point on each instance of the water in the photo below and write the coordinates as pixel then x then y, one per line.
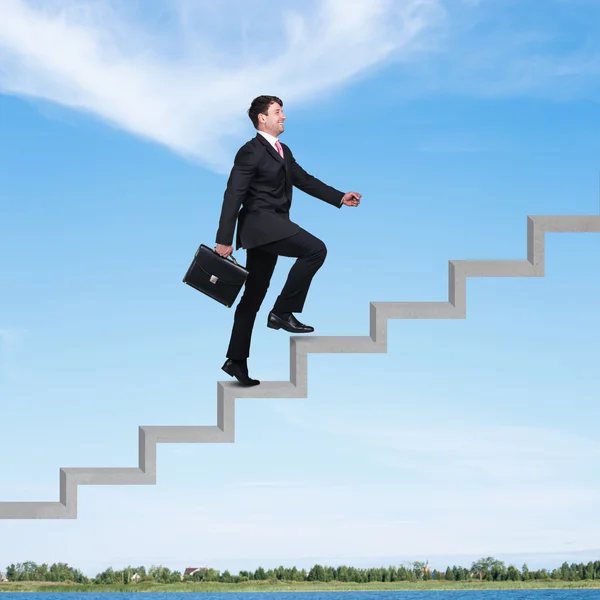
pixel 557 594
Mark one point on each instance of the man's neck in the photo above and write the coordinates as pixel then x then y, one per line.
pixel 268 134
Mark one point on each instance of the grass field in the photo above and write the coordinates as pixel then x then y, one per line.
pixel 281 586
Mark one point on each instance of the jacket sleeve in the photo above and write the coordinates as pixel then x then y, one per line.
pixel 244 168
pixel 313 186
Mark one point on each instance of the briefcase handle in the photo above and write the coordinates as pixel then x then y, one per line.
pixel 230 256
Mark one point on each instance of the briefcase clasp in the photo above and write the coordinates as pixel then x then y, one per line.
pixel 213 279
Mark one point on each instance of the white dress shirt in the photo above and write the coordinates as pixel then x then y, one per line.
pixel 270 138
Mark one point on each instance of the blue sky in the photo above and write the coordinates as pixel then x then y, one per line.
pixel 455 121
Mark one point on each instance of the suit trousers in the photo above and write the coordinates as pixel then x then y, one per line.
pixel 310 253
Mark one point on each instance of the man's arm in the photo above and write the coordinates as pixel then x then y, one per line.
pixel 313 186
pixel 244 167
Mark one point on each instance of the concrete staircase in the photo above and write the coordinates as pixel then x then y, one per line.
pixel 296 387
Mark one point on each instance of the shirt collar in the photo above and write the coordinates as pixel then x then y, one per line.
pixel 270 138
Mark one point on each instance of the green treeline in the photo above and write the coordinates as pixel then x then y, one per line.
pixel 488 569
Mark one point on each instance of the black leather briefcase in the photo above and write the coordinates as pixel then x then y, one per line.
pixel 219 278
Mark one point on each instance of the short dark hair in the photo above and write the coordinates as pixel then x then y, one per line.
pixel 260 105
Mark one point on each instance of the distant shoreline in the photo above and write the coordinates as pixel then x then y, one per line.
pixel 284 586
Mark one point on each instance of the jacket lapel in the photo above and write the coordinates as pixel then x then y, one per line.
pixel 274 152
pixel 284 161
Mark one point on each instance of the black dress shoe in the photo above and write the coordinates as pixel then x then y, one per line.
pixel 289 323
pixel 236 369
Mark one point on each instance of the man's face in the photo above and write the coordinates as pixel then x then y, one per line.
pixel 273 120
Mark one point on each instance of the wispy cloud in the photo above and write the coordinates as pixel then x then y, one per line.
pixel 498 50
pixel 461 449
pixel 387 518
pixel 183 74
pixel 10 339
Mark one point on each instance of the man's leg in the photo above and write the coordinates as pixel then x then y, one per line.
pixel 310 253
pixel 260 266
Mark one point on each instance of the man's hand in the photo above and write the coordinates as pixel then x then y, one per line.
pixel 351 199
pixel 223 250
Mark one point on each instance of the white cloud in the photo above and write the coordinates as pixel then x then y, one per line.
pixel 507 49
pixel 466 450
pixel 393 517
pixel 366 521
pixel 184 77
pixel 181 73
pixel 10 339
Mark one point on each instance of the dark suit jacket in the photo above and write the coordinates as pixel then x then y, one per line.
pixel 261 184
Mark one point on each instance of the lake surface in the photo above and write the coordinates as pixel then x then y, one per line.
pixel 568 594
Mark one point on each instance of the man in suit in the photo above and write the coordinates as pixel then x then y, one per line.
pixel 261 182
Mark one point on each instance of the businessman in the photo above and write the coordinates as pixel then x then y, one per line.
pixel 258 198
